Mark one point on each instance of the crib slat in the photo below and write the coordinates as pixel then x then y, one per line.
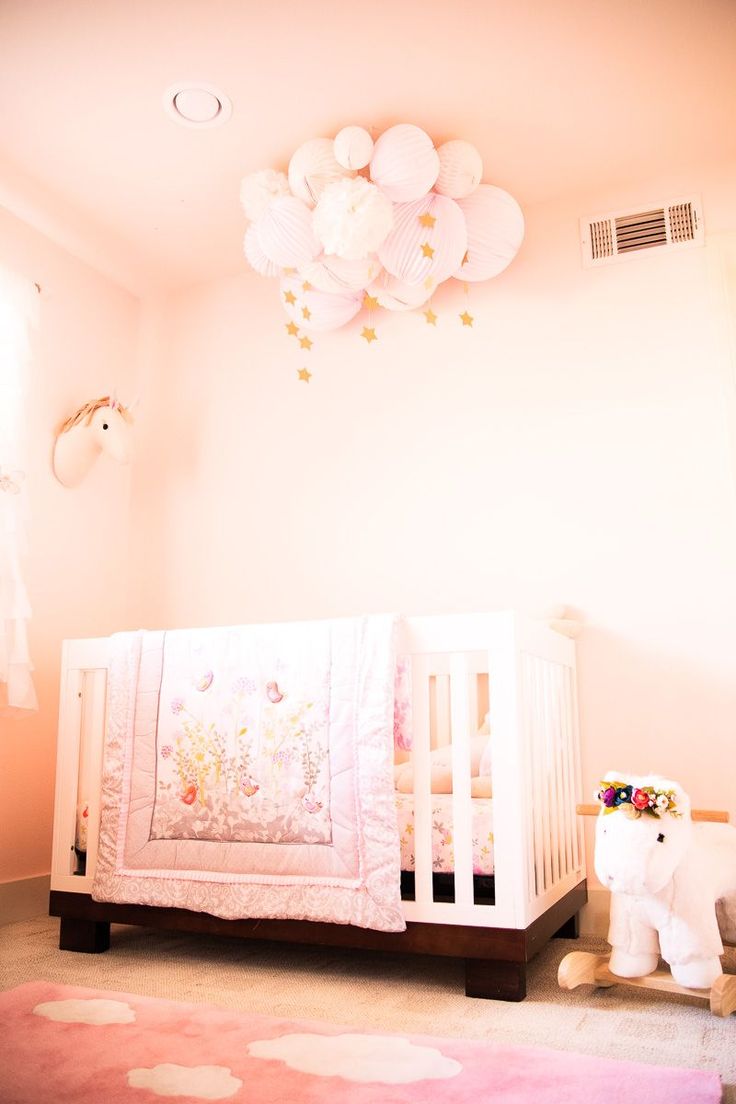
pixel 421 670
pixel 460 677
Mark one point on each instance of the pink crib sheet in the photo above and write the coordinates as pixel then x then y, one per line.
pixel 443 858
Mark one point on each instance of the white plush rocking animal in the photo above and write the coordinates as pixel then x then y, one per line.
pixel 672 882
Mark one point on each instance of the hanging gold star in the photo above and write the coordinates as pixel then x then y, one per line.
pixel 292 329
pixel 306 313
pixel 369 334
pixel 427 250
pixel 305 343
pixel 304 375
pixel 290 297
pixel 370 301
pixel 431 317
pixel 427 220
pixel 306 286
pixel 465 259
pixel 467 318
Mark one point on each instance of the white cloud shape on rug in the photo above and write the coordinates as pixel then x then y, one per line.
pixel 204 1082
pixel 92 1010
pixel 383 1058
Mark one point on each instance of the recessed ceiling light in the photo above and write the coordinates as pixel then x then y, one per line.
pixel 196 104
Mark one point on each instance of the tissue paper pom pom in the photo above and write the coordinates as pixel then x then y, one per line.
pixel 336 274
pixel 495 232
pixel 318 310
pixel 312 168
pixel 428 240
pixel 405 163
pixel 352 218
pixel 261 188
pixel 395 295
pixel 353 147
pixel 461 169
pixel 285 233
pixel 255 256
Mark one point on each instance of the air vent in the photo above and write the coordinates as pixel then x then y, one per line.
pixel 623 234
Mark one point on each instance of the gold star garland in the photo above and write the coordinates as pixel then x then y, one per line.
pixel 368 333
pixel 466 317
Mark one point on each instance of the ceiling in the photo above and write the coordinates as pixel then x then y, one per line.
pixel 556 94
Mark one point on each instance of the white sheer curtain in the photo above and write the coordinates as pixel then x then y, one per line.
pixel 18 313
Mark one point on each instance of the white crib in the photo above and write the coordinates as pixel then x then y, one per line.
pixel 526 672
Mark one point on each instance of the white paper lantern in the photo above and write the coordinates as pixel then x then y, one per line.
pixel 259 189
pixel 285 233
pixel 335 274
pixel 405 163
pixel 428 240
pixel 495 232
pixel 353 147
pixel 312 167
pixel 352 218
pixel 255 256
pixel 318 310
pixel 461 169
pixel 395 295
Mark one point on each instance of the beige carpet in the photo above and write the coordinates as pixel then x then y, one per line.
pixel 389 993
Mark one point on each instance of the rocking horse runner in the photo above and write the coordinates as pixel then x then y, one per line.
pixel 102 425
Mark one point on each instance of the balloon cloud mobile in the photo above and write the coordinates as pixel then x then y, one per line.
pixel 355 222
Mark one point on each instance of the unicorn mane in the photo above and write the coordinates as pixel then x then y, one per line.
pixel 84 414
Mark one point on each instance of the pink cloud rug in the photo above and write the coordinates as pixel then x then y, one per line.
pixel 67 1045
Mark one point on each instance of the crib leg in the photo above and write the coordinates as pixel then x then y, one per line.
pixel 570 929
pixel 91 936
pixel 494 979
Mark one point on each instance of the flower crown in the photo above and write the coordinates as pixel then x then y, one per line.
pixel 633 801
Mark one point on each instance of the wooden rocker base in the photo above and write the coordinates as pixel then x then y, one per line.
pixel 584 968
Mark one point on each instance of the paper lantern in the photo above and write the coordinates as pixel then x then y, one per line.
pixel 461 169
pixel 318 310
pixel 395 295
pixel 336 274
pixel 312 167
pixel 285 233
pixel 495 232
pixel 353 147
pixel 261 188
pixel 405 163
pixel 428 241
pixel 255 256
pixel 352 218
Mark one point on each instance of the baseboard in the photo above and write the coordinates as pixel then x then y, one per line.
pixel 24 899
pixel 594 915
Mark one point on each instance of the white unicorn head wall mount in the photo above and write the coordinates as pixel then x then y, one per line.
pixel 102 425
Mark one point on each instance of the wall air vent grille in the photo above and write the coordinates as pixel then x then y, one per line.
pixel 622 234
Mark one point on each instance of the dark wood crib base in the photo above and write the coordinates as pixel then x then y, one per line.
pixel 495 958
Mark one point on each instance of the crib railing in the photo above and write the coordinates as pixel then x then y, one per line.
pixel 521 670
pixel 527 673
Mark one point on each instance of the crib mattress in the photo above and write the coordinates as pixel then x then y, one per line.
pixel 443 860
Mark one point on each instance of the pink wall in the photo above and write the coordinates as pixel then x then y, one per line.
pixel 571 447
pixel 76 565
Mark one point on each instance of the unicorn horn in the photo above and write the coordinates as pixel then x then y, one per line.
pixel 113 399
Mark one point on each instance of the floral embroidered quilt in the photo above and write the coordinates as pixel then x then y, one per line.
pixel 248 772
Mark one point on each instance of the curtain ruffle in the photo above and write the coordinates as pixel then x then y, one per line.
pixel 18 313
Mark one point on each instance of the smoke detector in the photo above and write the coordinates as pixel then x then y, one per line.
pixel 619 235
pixel 197 104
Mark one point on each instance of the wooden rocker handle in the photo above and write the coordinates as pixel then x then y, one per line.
pixel 719 816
